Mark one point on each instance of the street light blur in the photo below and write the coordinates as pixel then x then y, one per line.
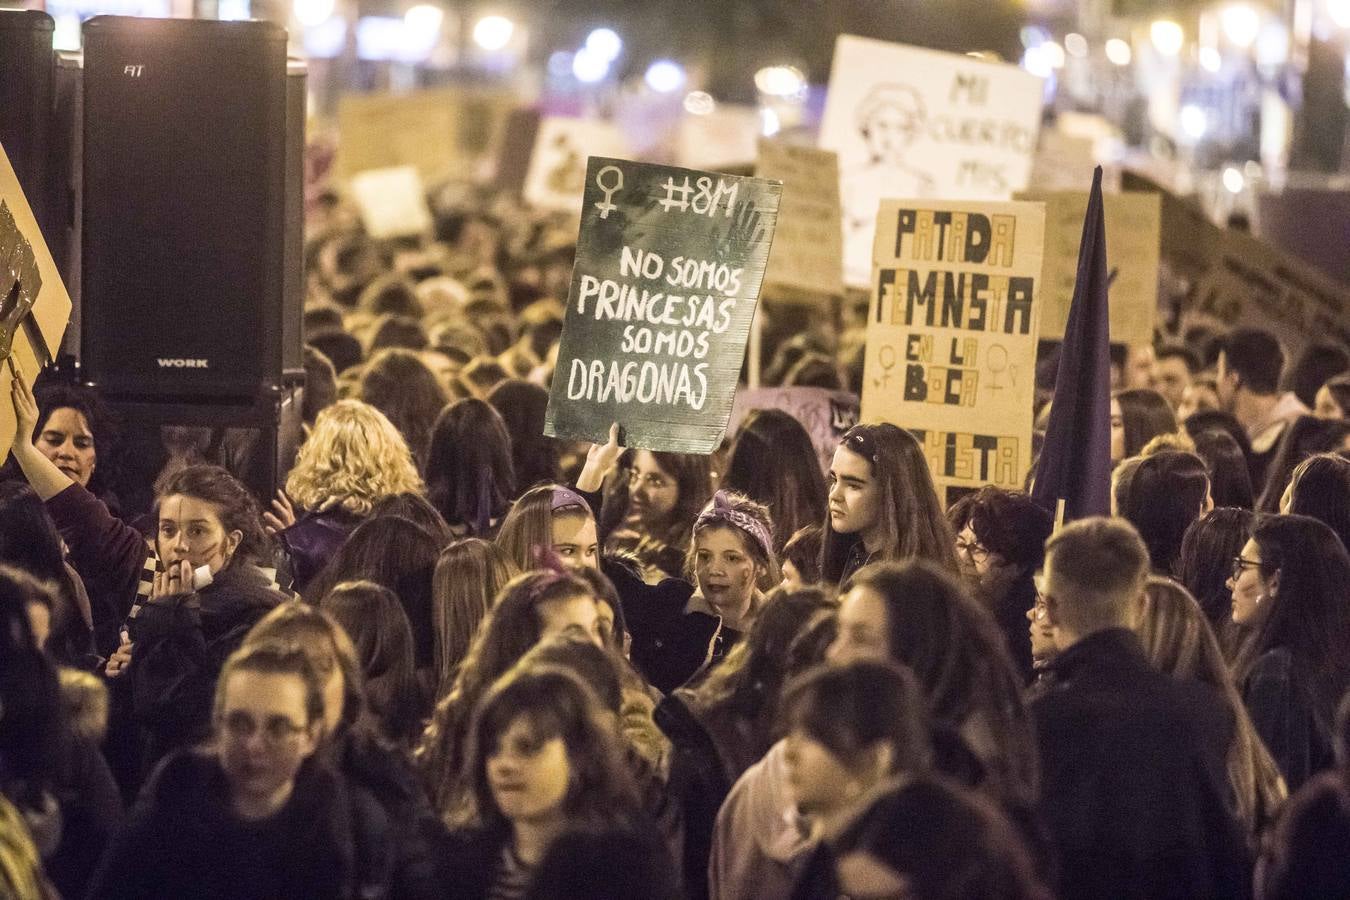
pixel 424 18
pixel 589 67
pixel 314 12
pixel 1241 24
pixel 604 43
pixel 665 76
pixel 1076 44
pixel 492 33
pixel 780 81
pixel 1210 59
pixel 1118 52
pixel 1167 37
pixel 1233 181
pixel 1194 122
pixel 1339 11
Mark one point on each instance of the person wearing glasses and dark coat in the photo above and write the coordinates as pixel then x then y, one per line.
pixel 255 814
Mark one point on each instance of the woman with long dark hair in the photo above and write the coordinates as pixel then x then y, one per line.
pixel 1230 480
pixel 1137 417
pixel 1289 586
pixel 470 476
pixel 1207 551
pixel 399 384
pixel 1167 492
pixel 1320 487
pixel 774 462
pixel 882 505
pixel 535 457
pixel 469 575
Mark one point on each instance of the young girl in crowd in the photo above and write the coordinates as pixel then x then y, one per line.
pixel 531 607
pixel 252 815
pixel 663 496
pixel 1288 588
pixel 1178 640
pixel 882 505
pixel 541 763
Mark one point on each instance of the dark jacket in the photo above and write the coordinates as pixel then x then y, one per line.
pixel 468 859
pixel 315 539
pixel 108 554
pixel 1284 713
pixel 698 781
pixel 669 645
pixel 1307 855
pixel 182 839
pixel 181 641
pixel 1133 778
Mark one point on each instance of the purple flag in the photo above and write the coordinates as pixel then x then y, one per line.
pixel 1075 463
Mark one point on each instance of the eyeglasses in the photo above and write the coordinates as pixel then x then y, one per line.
pixel 1240 563
pixel 240 726
pixel 975 550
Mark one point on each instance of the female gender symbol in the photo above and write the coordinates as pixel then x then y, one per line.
pixel 605 205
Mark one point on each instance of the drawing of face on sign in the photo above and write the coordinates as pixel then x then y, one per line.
pixel 19 279
pixel 890 118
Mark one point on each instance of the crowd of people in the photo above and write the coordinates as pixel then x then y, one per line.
pixel 455 657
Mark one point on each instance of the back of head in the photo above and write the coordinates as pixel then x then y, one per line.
pixel 418 510
pixel 397 331
pixel 320 384
pixel 1257 358
pixel 1317 363
pixel 1176 635
pixel 1146 414
pixel 1306 436
pixel 1230 480
pixel 400 385
pixel 1207 551
pixel 1320 488
pixel 342 349
pixel 1095 570
pixel 354 456
pixel 775 463
pixel 803 551
pixel 578 654
pixel 470 476
pixel 468 576
pixel 1166 494
pixel 957 845
pixel 522 405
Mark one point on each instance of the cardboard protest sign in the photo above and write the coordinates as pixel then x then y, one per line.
pixel 951 334
pixel 1241 280
pixel 1133 236
pixel 34 305
pixel 668 270
pixel 808 246
pixel 726 136
pixel 825 414
pixel 392 202
pixel 557 173
pixel 908 122
pixel 443 132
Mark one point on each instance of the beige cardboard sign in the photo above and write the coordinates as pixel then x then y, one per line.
pixel 1133 236
pixel 556 178
pixel 951 335
pixel 912 122
pixel 392 202
pixel 807 253
pixel 443 132
pixel 28 274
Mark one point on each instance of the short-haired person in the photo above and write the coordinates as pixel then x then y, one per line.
pixel 252 815
pixel 1000 544
pixel 1248 386
pixel 882 505
pixel 1134 788
pixel 1175 368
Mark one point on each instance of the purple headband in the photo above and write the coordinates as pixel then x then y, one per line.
pixel 566 498
pixel 719 510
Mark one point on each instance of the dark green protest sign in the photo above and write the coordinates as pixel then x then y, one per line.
pixel 668 271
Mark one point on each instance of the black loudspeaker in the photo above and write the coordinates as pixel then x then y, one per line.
pixel 27 79
pixel 192 202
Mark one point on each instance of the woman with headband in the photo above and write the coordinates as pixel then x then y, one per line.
pixel 882 505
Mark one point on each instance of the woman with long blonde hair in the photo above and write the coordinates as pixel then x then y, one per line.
pixel 1178 640
pixel 353 458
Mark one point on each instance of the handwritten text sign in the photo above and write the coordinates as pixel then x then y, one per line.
pixel 1133 237
pixel 951 334
pixel 392 202
pixel 668 270
pixel 807 249
pixel 908 122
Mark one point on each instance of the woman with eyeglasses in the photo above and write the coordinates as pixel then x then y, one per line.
pixel 882 505
pixel 1289 599
pixel 252 815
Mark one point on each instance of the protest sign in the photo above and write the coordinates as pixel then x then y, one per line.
pixel 1242 280
pixel 34 305
pixel 1133 235
pixel 723 137
pixel 908 122
pixel 825 414
pixel 807 251
pixel 951 335
pixel 668 270
pixel 443 132
pixel 557 174
pixel 392 202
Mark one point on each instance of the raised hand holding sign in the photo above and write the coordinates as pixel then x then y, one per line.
pixel 668 272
